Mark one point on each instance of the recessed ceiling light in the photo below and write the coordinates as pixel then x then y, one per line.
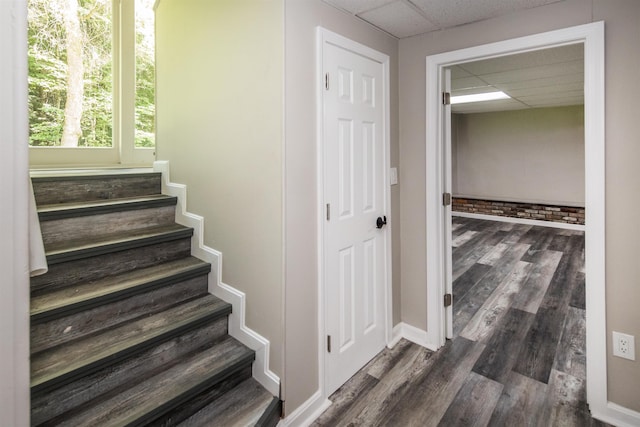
pixel 478 97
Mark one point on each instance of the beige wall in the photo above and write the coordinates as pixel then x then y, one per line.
pixel 219 123
pixel 301 299
pixel 532 155
pixel 622 32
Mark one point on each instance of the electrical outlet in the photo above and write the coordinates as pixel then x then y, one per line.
pixel 624 346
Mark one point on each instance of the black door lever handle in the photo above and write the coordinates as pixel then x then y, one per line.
pixel 380 222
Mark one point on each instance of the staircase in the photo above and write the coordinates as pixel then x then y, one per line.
pixel 123 329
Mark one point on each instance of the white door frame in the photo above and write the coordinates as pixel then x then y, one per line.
pixel 324 36
pixel 592 36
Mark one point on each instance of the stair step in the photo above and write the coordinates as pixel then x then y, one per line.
pixel 151 399
pixel 72 313
pixel 66 301
pixel 50 190
pixel 80 249
pixel 85 270
pixel 95 207
pixel 65 363
pixel 126 373
pixel 242 406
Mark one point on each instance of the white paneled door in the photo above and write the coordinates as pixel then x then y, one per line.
pixel 355 203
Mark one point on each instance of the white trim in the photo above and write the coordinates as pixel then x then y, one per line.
pixel 14 192
pixel 592 35
pixel 308 412
pixel 411 333
pixel 617 415
pixel 237 327
pixel 537 223
pixel 325 36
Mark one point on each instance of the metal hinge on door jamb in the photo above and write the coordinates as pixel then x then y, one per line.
pixel 446 199
pixel 447 300
pixel 326 81
pixel 328 343
pixel 446 98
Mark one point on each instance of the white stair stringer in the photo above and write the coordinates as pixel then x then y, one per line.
pixel 237 327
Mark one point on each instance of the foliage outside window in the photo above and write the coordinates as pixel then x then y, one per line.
pixel 71 99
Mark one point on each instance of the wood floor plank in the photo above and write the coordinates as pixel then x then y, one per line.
pixel 571 353
pixel 497 359
pixel 474 403
pixel 483 323
pixel 566 401
pixel 380 366
pixel 465 308
pixel 522 403
pixel 346 397
pixel 494 254
pixel 429 399
pixel 392 388
pixel 469 279
pixel 463 238
pixel 539 348
pixel 533 291
pixel 578 296
pixel 539 238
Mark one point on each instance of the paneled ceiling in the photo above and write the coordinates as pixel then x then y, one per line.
pixel 406 18
pixel 546 78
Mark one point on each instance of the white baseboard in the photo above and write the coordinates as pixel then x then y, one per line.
pixel 616 415
pixel 411 333
pixel 237 328
pixel 525 221
pixel 306 413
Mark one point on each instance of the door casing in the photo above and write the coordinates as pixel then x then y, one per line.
pixel 324 36
pixel 592 37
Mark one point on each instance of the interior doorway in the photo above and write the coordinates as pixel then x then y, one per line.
pixel 592 37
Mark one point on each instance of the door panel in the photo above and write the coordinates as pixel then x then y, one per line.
pixel 354 186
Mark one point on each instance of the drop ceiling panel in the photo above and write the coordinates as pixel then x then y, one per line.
pixel 528 91
pixel 488 106
pixel 533 73
pixel 467 82
pixel 399 19
pixel 357 6
pixel 557 55
pixel 571 79
pixel 449 13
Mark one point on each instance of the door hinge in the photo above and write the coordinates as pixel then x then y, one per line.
pixel 446 199
pixel 328 212
pixel 447 300
pixel 446 98
pixel 328 343
pixel 326 81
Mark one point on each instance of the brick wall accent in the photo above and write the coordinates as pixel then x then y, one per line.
pixel 537 211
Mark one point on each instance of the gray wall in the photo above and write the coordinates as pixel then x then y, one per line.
pixel 301 241
pixel 622 33
pixel 532 155
pixel 219 123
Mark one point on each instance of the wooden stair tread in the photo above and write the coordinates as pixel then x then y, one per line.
pixel 146 401
pixel 242 406
pixel 73 299
pixel 93 207
pixel 64 363
pixel 74 249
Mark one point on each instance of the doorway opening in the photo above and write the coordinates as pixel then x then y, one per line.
pixel 592 38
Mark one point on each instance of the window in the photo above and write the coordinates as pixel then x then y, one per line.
pixel 91 81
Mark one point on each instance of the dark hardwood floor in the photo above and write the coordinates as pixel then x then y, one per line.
pixel 518 353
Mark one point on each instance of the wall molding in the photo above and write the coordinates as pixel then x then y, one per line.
pixel 237 327
pixel 525 221
pixel 617 415
pixel 411 333
pixel 308 412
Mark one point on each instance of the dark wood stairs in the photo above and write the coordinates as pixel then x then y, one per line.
pixel 123 329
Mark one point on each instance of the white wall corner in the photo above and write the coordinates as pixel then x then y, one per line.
pixel 415 335
pixel 237 327
pixel 306 413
